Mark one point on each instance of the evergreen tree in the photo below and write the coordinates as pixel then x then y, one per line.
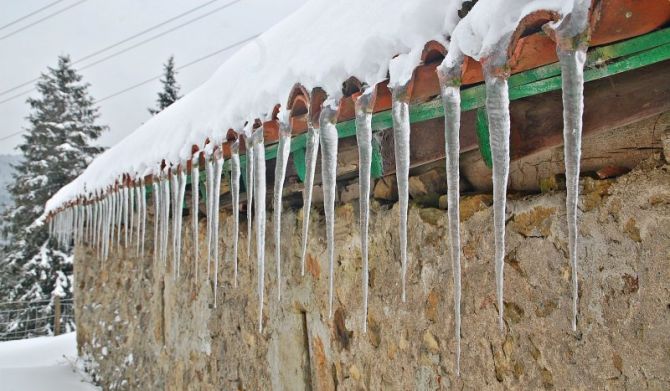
pixel 170 92
pixel 58 144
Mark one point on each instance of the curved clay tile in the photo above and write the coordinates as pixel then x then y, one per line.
pixel 350 87
pixel 318 96
pixel 424 84
pixel 614 20
pixel 298 104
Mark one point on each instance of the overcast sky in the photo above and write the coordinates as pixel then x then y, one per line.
pixel 92 25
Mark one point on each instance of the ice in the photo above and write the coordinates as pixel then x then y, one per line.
pixel 119 217
pixel 401 132
pixel 283 150
pixel 138 229
pixel 176 209
pixel 312 150
pixel 329 141
pixel 250 190
pixel 451 99
pixel 260 189
pixel 572 43
pixel 125 216
pixel 195 195
pixel 157 213
pixel 131 211
pixel 235 193
pixel 143 193
pixel 165 216
pixel 215 211
pixel 179 216
pixel 497 107
pixel 363 107
pixel 209 180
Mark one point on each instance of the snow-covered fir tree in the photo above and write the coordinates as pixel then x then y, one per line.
pixel 59 142
pixel 170 92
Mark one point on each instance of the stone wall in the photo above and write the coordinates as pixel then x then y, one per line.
pixel 140 328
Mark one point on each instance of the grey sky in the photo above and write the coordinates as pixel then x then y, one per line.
pixel 95 24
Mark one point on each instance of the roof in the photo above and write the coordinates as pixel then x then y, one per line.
pixel 380 43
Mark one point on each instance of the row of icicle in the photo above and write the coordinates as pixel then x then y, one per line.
pixel 100 223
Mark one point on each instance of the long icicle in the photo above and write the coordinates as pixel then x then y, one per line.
pixel 572 37
pixel 497 107
pixel 209 179
pixel 157 213
pixel 311 152
pixel 235 193
pixel 451 99
pixel 180 216
pixel 283 150
pixel 260 189
pixel 176 211
pixel 401 133
pixel 138 229
pixel 328 177
pixel 125 216
pixel 195 196
pixel 248 142
pixel 364 105
pixel 131 210
pixel 218 168
pixel 166 215
pixel 143 193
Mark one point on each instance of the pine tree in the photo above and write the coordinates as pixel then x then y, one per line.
pixel 58 144
pixel 170 92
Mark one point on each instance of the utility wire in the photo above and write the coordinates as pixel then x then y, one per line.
pixel 118 53
pixel 86 57
pixel 178 68
pixel 38 21
pixel 134 86
pixel 26 16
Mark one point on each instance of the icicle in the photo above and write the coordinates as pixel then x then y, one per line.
pixel 138 225
pixel 401 132
pixel 195 190
pixel 235 190
pixel 143 193
pixel 248 142
pixel 131 211
pixel 179 216
pixel 451 99
pixel 119 217
pixel 209 166
pixel 572 36
pixel 156 190
pixel 311 152
pixel 165 182
pixel 125 216
pixel 176 211
pixel 364 105
pixel 260 189
pixel 283 150
pixel 218 168
pixel 497 107
pixel 328 177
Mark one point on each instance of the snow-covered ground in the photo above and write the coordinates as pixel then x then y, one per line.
pixel 45 363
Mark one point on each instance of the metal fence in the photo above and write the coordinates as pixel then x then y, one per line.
pixel 28 319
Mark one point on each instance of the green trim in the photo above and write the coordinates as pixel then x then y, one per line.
pixel 482 127
pixel 299 163
pixel 377 164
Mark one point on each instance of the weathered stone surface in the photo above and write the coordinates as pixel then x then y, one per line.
pixel 143 330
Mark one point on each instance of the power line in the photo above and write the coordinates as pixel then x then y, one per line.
pixel 16 87
pixel 38 21
pixel 134 86
pixel 118 53
pixel 178 68
pixel 11 135
pixel 26 16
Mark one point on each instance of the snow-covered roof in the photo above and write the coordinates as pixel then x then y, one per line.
pixel 320 45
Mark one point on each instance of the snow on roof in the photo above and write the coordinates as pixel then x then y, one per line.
pixel 322 44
